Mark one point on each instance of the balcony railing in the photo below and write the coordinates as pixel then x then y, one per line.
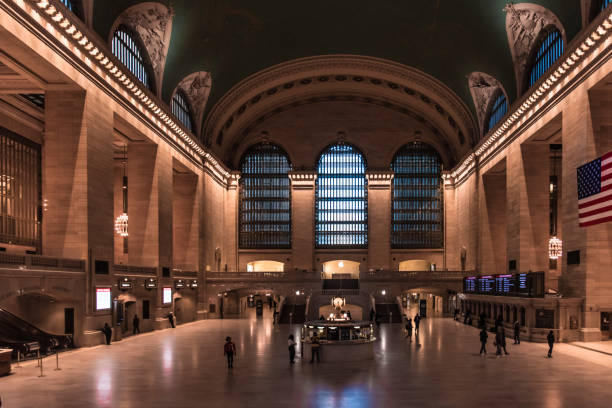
pixel 41 262
pixel 371 276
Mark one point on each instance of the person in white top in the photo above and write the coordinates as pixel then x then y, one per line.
pixel 291 344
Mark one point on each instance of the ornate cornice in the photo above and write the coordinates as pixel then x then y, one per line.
pixel 379 179
pixel 589 48
pixel 338 74
pixel 303 179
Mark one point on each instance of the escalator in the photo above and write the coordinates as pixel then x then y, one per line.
pixel 297 314
pixel 18 334
pixel 386 310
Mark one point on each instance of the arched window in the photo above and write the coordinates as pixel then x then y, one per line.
pixel 265 198
pixel 497 111
pixel 341 199
pixel 416 203
pixel 180 109
pixel 126 47
pixel 603 4
pixel 549 49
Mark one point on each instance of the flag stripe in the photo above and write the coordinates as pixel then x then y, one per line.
pixel 596 209
pixel 598 221
pixel 596 217
pixel 596 199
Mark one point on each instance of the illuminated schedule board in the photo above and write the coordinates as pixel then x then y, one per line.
pixel 469 284
pixel 486 285
pixel 504 284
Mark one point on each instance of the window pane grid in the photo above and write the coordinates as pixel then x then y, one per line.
pixel 265 199
pixel 604 4
pixel 549 51
pixel 68 4
pixel 498 111
pixel 19 190
pixel 417 205
pixel 180 109
pixel 125 48
pixel 341 199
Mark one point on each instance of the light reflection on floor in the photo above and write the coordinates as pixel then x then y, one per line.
pixel 185 367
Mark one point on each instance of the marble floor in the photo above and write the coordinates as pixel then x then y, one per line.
pixel 184 367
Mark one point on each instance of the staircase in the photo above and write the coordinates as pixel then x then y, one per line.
pixel 384 310
pixel 298 312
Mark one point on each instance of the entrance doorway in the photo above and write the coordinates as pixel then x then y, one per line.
pixel 69 320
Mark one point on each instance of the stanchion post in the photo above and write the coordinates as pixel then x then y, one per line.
pixel 57 367
pixel 390 317
pixel 290 318
pixel 18 359
pixel 40 361
pixel 38 358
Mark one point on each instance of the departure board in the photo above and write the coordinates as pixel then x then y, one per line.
pixel 504 284
pixel 521 283
pixel 486 284
pixel 469 284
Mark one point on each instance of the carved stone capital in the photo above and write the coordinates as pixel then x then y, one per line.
pixel 379 179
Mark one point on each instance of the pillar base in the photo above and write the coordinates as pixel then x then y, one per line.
pixel 590 334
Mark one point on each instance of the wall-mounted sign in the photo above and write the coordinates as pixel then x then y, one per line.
pixel 103 298
pixel 150 283
pixel 179 284
pixel 167 295
pixel 125 284
pixel 193 284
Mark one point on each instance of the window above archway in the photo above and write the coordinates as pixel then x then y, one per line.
pixel 180 109
pixel 341 199
pixel 498 110
pixel 126 47
pixel 549 49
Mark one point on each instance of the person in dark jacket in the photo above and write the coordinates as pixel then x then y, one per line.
pixel 483 340
pixel 500 340
pixel 517 333
pixel 229 349
pixel 135 324
pixel 291 344
pixel 372 314
pixel 108 332
pixel 315 345
pixel 171 319
pixel 409 329
pixel 417 322
pixel 551 341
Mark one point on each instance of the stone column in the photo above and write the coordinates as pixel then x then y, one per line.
pixel 230 231
pixel 302 218
pixel 585 137
pixel 492 219
pixel 379 219
pixel 527 192
pixel 185 221
pixel 77 184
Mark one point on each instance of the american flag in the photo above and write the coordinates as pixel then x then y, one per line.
pixel 595 191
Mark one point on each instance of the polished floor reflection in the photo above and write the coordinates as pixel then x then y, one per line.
pixel 184 367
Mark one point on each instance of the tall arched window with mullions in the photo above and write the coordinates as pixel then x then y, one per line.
pixel 265 198
pixel 497 110
pixel 341 199
pixel 417 203
pixel 126 46
pixel 547 50
pixel 180 109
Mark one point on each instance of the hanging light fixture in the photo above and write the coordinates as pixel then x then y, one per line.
pixel 121 223
pixel 555 248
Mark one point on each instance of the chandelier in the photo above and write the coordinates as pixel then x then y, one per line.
pixel 121 225
pixel 555 248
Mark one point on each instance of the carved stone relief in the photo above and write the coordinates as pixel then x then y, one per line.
pixel 483 88
pixel 196 87
pixel 524 22
pixel 152 22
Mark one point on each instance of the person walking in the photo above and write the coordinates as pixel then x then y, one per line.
pixel 456 312
pixel 291 344
pixel 314 348
pixel 135 324
pixel 229 349
pixel 417 322
pixel 483 340
pixel 503 338
pixel 517 332
pixel 409 329
pixel 171 319
pixel 372 314
pixel 108 332
pixel 551 341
